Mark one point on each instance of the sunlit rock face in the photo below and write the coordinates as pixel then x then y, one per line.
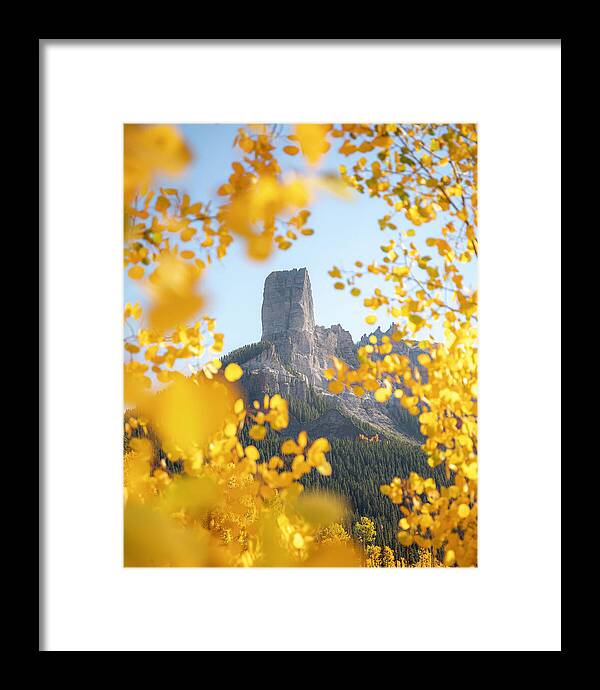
pixel 294 353
pixel 287 304
pixel 288 321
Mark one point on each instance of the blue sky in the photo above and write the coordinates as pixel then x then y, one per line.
pixel 345 230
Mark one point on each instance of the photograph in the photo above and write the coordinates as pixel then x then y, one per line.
pixel 300 345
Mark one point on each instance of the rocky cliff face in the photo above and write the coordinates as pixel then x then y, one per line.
pixel 288 322
pixel 287 304
pixel 292 355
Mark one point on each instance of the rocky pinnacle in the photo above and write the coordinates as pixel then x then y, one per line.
pixel 287 303
pixel 296 352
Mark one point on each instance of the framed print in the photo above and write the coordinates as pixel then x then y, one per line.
pixel 292 292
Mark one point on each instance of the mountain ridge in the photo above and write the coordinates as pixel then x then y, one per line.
pixel 293 353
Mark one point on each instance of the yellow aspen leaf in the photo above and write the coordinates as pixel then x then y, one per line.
pixel 173 291
pixel 463 511
pixel 405 538
pixel 150 150
pixel 291 150
pixel 470 470
pixel 426 521
pixel 187 234
pixel 324 468
pixel 275 463
pixel 313 141
pixel 290 447
pixel 339 286
pixel 257 432
pixel 300 466
pixel 233 372
pixel 335 387
pixel 136 272
pixel 416 319
pixel 189 412
pixel 247 145
pixel 320 445
pixel 382 395
pixel 401 271
pixel 225 189
pixel 371 319
pixel 295 193
pixel 163 376
pixel 450 558
pixel 252 453
pixel 382 142
pixel 230 430
pixel 347 148
pixel 267 492
pixel 162 204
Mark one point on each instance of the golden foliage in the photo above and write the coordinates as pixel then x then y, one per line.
pixel 150 151
pixel 422 171
pixel 230 506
